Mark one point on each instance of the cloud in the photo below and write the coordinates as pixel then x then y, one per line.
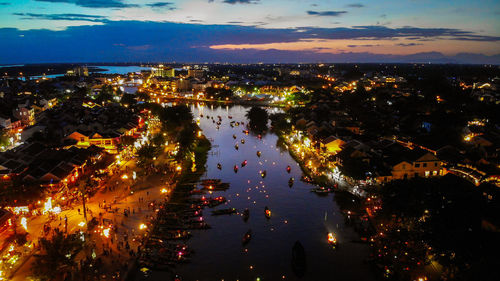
pixel 167 5
pixel 366 45
pixel 4 4
pixel 169 41
pixel 355 5
pixel 408 44
pixel 232 2
pixel 94 3
pixel 326 13
pixel 68 17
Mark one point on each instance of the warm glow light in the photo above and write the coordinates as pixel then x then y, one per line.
pixel 24 223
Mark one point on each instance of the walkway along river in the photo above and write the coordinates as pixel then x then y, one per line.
pixel 297 214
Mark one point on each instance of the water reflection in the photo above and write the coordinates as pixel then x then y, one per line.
pixel 297 214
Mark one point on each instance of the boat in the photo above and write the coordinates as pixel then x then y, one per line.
pixel 219 166
pixel 288 169
pixel 290 182
pixel 230 117
pixel 267 212
pixel 245 132
pixel 258 153
pixel 244 163
pixel 259 136
pixel 210 181
pixel 236 146
pixel 299 263
pixel 235 168
pixel 234 136
pixel 227 211
pixel 246 214
pixel 237 124
pixel 321 190
pixel 242 140
pixel 247 237
pixel 332 240
pixel 263 174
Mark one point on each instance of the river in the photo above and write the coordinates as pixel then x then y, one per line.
pixel 297 215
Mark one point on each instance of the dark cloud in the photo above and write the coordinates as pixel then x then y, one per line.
pixel 355 5
pixel 408 44
pixel 365 45
pixel 326 13
pixel 68 17
pixel 164 5
pixel 168 41
pixel 95 3
pixel 4 4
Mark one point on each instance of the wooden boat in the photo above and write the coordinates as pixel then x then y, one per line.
pixel 247 237
pixel 258 153
pixel 290 182
pixel 288 169
pixel 246 214
pixel 219 166
pixel 227 211
pixel 236 146
pixel 235 168
pixel 321 190
pixel 243 141
pixel 267 212
pixel 299 264
pixel 244 163
pixel 263 174
pixel 234 136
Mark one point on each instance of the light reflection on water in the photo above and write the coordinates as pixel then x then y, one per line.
pixel 297 214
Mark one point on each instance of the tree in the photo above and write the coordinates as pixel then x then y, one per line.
pixel 146 153
pixel 128 99
pixel 58 258
pixel 258 119
pixel 4 139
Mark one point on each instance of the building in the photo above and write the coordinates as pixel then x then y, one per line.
pixel 25 113
pixel 196 73
pixel 78 71
pixel 162 71
pixel 331 144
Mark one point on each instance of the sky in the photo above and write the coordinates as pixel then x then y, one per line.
pixel 241 31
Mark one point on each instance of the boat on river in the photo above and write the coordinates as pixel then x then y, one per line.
pixel 332 240
pixel 247 237
pixel 263 174
pixel 322 190
pixel 267 212
pixel 243 141
pixel 288 169
pixel 258 153
pixel 234 136
pixel 244 163
pixel 235 168
pixel 245 132
pixel 246 214
pixel 236 146
pixel 299 264
pixel 290 181
pixel 227 211
pixel 219 166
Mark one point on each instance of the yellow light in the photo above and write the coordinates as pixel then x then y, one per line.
pixel 199 133
pixel 81 224
pixel 125 177
pixel 179 168
pixel 142 226
pixel 163 190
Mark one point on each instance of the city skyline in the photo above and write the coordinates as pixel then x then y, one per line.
pixel 244 31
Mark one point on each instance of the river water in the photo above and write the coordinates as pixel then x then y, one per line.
pixel 297 215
